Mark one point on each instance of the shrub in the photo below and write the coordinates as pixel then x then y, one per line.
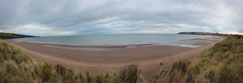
pixel 46 73
pixel 130 75
pixel 181 65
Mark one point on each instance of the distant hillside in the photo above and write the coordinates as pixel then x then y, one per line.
pixel 210 33
pixel 12 36
pixel 201 33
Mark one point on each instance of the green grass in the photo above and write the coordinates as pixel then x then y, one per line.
pixel 17 67
pixel 222 63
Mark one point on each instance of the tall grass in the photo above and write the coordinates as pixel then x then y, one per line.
pixel 222 63
pixel 15 66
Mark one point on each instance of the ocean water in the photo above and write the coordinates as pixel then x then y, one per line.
pixel 121 39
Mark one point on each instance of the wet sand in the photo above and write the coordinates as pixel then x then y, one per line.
pixel 97 59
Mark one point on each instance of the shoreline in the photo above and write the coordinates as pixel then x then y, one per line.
pixel 109 44
pixel 120 46
pixel 26 45
pixel 147 58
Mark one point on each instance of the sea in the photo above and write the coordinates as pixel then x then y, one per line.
pixel 116 39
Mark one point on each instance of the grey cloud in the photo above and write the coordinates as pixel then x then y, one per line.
pixel 81 16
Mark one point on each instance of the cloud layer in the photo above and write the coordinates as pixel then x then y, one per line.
pixel 65 17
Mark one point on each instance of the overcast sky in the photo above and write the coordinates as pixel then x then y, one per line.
pixel 74 17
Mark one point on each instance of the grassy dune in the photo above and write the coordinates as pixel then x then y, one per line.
pixel 222 63
pixel 16 67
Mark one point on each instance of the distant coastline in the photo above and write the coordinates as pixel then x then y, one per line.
pixel 201 33
pixel 13 35
pixel 209 33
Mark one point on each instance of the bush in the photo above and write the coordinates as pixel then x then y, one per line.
pixel 46 73
pixel 130 75
pixel 181 65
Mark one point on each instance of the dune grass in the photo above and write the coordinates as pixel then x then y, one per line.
pixel 17 67
pixel 222 63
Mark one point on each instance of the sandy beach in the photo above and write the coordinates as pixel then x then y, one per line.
pixel 96 59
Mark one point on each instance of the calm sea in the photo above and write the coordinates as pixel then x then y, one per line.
pixel 124 39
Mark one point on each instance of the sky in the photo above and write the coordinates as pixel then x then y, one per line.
pixel 77 17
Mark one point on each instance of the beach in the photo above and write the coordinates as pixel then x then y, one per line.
pixel 97 59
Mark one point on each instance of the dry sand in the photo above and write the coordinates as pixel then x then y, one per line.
pixel 97 59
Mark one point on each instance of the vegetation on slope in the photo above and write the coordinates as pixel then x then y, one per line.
pixel 208 33
pixel 16 67
pixel 12 36
pixel 201 33
pixel 222 63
